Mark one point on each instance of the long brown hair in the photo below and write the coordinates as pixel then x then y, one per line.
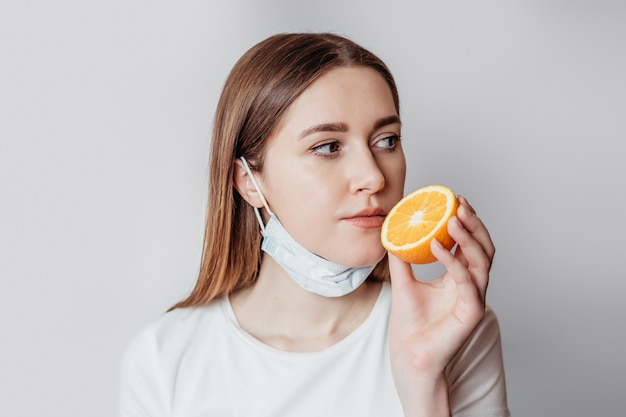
pixel 261 86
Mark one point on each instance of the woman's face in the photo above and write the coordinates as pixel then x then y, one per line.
pixel 335 166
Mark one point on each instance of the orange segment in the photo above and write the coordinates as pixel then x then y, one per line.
pixel 415 220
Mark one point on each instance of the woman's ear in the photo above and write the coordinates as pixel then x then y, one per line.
pixel 244 185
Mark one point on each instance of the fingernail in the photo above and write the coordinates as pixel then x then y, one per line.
pixel 436 243
pixel 467 204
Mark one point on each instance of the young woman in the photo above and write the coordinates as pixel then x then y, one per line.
pixel 298 310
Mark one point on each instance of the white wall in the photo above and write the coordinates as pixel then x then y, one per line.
pixel 105 113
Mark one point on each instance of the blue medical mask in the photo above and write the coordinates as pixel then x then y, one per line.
pixel 310 271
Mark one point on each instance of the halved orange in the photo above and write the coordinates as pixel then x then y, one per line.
pixel 416 219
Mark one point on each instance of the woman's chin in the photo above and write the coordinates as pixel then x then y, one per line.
pixel 362 260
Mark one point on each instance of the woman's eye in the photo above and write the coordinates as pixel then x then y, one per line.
pixel 327 149
pixel 388 142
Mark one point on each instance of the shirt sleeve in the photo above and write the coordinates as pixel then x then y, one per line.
pixel 142 383
pixel 476 379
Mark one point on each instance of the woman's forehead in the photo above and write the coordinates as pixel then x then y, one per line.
pixel 339 98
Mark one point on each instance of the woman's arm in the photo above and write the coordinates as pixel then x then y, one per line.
pixel 431 320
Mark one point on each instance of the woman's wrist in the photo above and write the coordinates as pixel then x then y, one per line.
pixel 425 396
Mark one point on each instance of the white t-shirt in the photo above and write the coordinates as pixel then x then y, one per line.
pixel 198 361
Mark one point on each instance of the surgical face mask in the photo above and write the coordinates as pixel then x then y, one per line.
pixel 310 271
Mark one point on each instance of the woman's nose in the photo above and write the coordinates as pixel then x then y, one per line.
pixel 365 174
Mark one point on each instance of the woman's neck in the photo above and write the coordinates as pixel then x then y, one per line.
pixel 280 313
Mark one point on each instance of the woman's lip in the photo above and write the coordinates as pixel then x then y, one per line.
pixel 367 222
pixel 367 212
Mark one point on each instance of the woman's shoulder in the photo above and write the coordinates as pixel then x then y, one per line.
pixel 174 329
pixel 150 363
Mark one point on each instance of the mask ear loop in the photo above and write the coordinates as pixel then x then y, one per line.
pixel 258 189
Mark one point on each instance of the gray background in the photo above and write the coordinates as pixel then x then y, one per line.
pixel 106 109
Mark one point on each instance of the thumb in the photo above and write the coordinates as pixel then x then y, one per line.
pixel 400 271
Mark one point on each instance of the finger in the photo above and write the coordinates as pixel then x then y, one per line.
pixel 478 262
pixel 466 203
pixel 458 253
pixel 400 271
pixel 466 287
pixel 475 227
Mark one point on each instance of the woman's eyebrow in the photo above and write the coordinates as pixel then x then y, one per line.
pixel 324 127
pixel 385 121
pixel 342 127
